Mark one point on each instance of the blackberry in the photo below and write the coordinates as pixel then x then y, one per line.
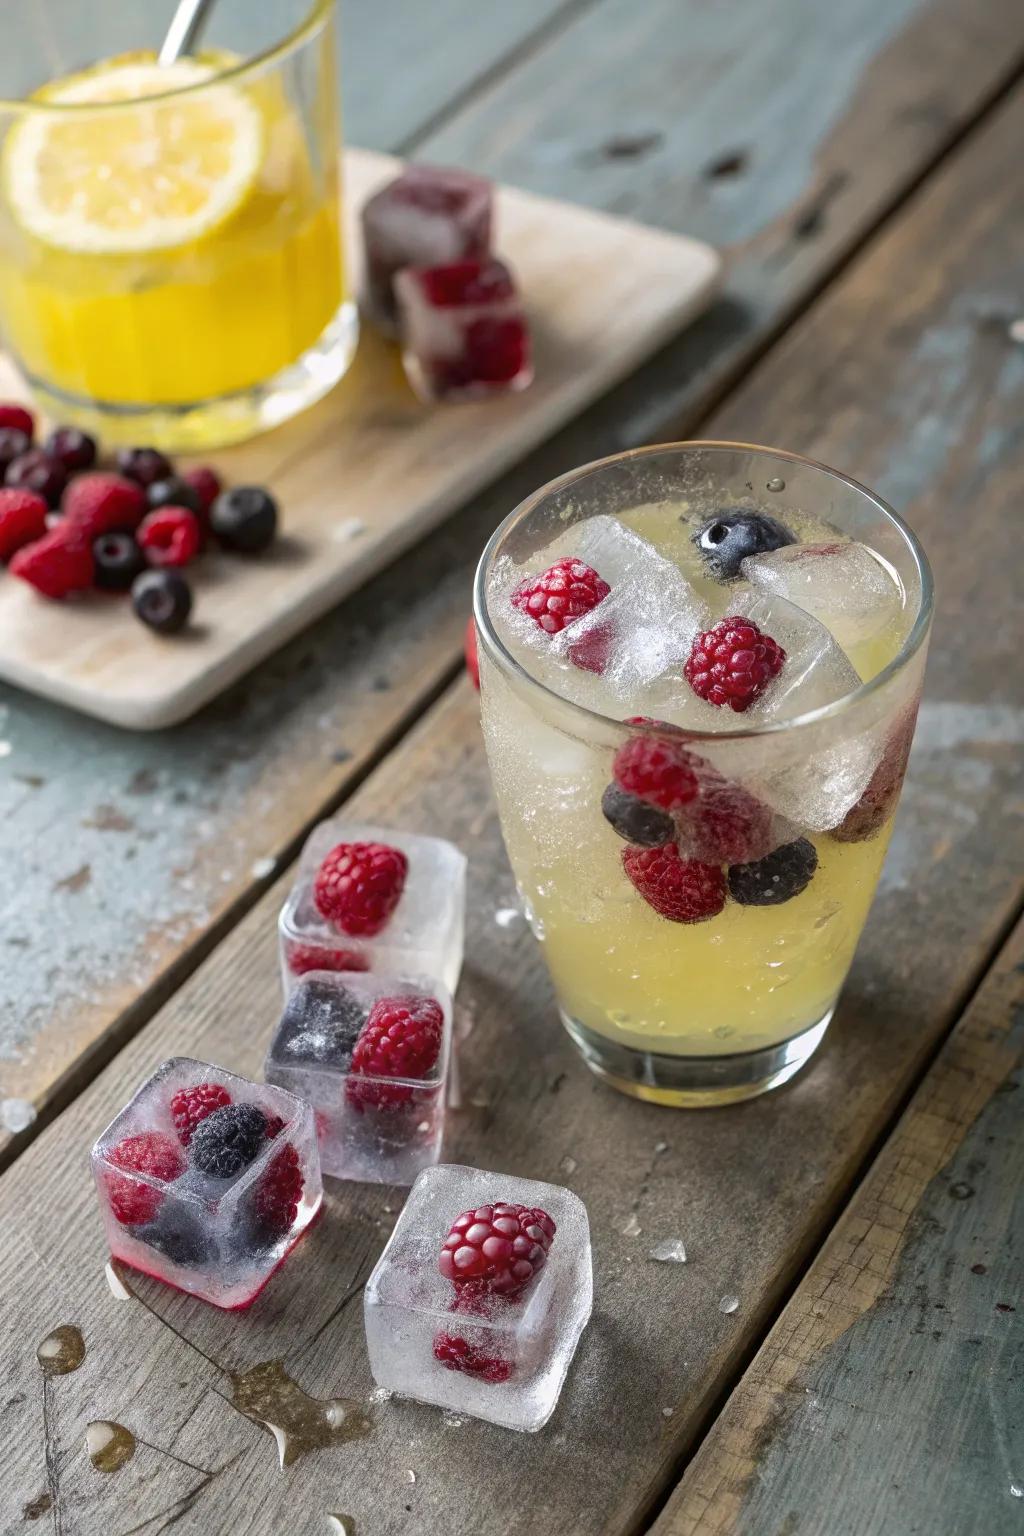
pixel 636 820
pixel 779 877
pixel 228 1140
pixel 726 540
pixel 321 1023
pixel 179 1236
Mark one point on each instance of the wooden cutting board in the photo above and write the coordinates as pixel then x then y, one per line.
pixel 368 470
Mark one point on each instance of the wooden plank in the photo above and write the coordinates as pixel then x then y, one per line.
pixel 889 1391
pixel 751 1189
pixel 107 962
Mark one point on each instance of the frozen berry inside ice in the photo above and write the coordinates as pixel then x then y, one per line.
pixel 12 445
pixel 22 519
pixel 726 540
pixel 322 1022
pixel 359 885
pixel 175 491
pixel 457 1354
pixel 17 419
pixel 496 1249
pixel 36 471
pixel 103 503
pixel 179 1235
pixel 658 769
pixel 276 1197
pixel 170 536
pixel 401 1038
pixel 565 591
pixel 314 957
pixel 636 820
pixel 74 449
pixel 733 663
pixel 227 1140
pixel 144 465
pixel 770 881
pixel 118 561
pixel 156 1156
pixel 191 1105
pixel 162 600
pixel 878 802
pixel 726 825
pixel 244 519
pixel 682 890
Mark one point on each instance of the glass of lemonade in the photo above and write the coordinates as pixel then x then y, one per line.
pixel 697 826
pixel 170 253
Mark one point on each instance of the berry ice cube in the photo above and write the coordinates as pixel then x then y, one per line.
pixel 427 217
pixel 369 898
pixel 479 1299
pixel 370 1053
pixel 464 333
pixel 206 1180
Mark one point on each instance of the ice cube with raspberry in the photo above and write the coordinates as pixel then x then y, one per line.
pixel 464 333
pixel 478 1302
pixel 370 1053
pixel 369 898
pixel 206 1180
pixel 426 217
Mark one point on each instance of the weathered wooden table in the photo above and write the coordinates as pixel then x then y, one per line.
pixel 860 165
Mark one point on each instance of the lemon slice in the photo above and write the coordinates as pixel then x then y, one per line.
pixel 144 177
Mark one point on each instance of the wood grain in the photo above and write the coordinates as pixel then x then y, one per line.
pixel 889 1392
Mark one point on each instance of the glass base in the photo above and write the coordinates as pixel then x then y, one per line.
pixel 695 1082
pixel 199 425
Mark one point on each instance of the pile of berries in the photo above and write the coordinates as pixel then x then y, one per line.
pixel 67 527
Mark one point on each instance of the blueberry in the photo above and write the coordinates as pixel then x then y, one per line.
pixel 321 1023
pixel 775 879
pixel 179 1236
pixel 228 1140
pixel 144 465
pixel 635 820
pixel 118 561
pixel 174 492
pixel 36 471
pixel 244 518
pixel 75 450
pixel 726 540
pixel 163 600
pixel 13 444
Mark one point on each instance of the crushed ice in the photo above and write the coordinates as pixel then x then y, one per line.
pixel 671 1250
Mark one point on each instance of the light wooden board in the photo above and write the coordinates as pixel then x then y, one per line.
pixel 370 470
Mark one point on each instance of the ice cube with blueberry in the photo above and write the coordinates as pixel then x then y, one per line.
pixel 426 217
pixel 843 585
pixel 370 1053
pixel 464 333
pixel 478 1301
pixel 206 1180
pixel 369 898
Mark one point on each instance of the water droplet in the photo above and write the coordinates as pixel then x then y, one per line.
pixel 1017 1489
pixel 631 1228
pixel 667 1413
pixel 108 1445
pixel 16 1115
pixel 568 1165
pixel 62 1351
pixel 507 917
pixel 660 1147
pixel 262 868
pixel 960 1191
pixel 299 1423
pixel 341 1525
pixel 118 1289
pixel 452 1421
pixel 776 483
pixel 728 1304
pixel 410 1476
pixel 671 1250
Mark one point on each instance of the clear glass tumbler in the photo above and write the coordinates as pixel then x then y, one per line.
pixel 171 265
pixel 788 810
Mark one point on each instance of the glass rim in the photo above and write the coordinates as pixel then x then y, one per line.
pixel 499 652
pixel 314 19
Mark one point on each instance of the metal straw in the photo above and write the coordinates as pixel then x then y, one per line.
pixel 186 24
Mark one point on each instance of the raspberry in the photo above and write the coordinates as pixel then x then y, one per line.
pixel 190 1105
pixel 99 503
pixel 726 825
pixel 170 537
pixel 878 801
pixel 657 769
pixel 469 647
pixel 733 663
pixel 309 957
pixel 683 890
pixel 131 1200
pixel 227 1140
pixel 563 592
pixel 22 520
pixel 401 1038
pixel 779 877
pixel 278 1192
pixel 57 565
pixel 17 418
pixel 497 1248
pixel 205 482
pixel 275 1125
pixel 591 651
pixel 359 885
pixel 457 1354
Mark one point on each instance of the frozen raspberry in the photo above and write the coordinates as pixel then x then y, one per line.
pixel 22 519
pixel 683 890
pixel 131 1200
pixel 658 769
pixel 591 651
pixel 494 351
pixel 497 1248
pixel 227 1140
pixel 563 592
pixel 17 418
pixel 770 881
pixel 277 1195
pixel 190 1105
pixel 725 541
pixel 101 503
pixel 472 660
pixel 401 1038
pixel 725 825
pixel 170 537
pixel 457 1354
pixel 144 465
pixel 36 471
pixel 359 885
pixel 57 565
pixel 205 482
pixel 75 450
pixel 733 663
pixel 275 1125
pixel 310 957
pixel 878 802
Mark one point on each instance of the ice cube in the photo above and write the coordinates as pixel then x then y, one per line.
pixel 816 670
pixel 426 217
pixel 843 584
pixel 376 1127
pixel 497 1357
pixel 215 1229
pixel 424 935
pixel 464 334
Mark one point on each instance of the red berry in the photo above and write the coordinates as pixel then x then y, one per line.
pixel 466 282
pixel 74 449
pixel 496 1248
pixel 275 1125
pixel 494 350
pixel 100 503
pixel 658 769
pixel 22 519
pixel 16 417
pixel 563 592
pixel 683 890
pixel 278 1192
pixel 457 1354
pixel 57 565
pixel 726 825
pixel 401 1038
pixel 190 1105
pixel 359 885
pixel 591 651
pixel 172 536
pixel 205 482
pixel 132 1201
pixel 878 801
pixel 472 661
pixel 310 957
pixel 36 471
pixel 733 663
